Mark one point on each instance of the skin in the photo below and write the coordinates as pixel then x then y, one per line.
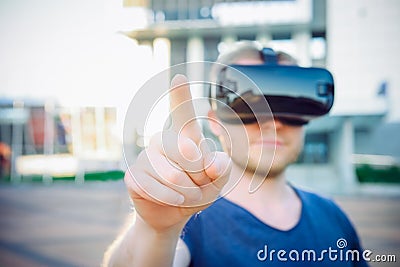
pixel 197 176
pixel 169 182
pixel 272 146
pixel 269 142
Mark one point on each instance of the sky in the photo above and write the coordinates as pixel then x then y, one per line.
pixel 66 49
pixel 71 51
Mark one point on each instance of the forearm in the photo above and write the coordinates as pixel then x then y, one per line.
pixel 140 245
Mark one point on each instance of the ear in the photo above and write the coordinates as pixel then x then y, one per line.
pixel 215 124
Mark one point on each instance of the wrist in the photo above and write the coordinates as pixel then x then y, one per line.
pixel 171 232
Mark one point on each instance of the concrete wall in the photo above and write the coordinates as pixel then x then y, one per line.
pixel 363 40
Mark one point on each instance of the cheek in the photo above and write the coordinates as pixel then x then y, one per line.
pixel 235 134
pixel 236 144
pixel 297 140
pixel 233 140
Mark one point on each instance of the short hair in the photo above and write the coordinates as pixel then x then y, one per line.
pixel 246 50
pixel 240 50
pixel 251 50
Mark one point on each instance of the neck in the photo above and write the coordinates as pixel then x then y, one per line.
pixel 275 202
pixel 272 188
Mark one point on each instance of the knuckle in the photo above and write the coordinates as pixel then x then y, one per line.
pixel 173 176
pixel 141 185
pixel 147 160
pixel 189 150
pixel 201 178
pixel 135 180
pixel 131 184
pixel 165 196
pixel 128 177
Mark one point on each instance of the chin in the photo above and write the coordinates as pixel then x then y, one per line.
pixel 268 166
pixel 271 172
pixel 276 171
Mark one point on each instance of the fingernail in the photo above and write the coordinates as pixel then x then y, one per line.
pixel 220 167
pixel 178 79
pixel 180 200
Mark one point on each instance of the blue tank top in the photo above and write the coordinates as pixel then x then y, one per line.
pixel 227 235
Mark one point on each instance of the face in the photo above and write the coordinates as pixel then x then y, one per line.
pixel 264 148
pixel 268 149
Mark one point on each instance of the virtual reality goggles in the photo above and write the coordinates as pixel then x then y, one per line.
pixel 294 95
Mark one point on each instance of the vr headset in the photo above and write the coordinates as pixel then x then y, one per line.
pixel 294 95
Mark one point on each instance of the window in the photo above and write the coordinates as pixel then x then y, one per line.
pixel 315 149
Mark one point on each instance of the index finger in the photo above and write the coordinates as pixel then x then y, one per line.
pixel 182 110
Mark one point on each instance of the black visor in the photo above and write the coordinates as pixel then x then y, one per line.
pixel 293 93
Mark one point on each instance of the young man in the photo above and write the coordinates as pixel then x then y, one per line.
pixel 181 220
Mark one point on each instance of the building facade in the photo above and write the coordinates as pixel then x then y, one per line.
pixel 314 32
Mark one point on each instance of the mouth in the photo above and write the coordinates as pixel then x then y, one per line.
pixel 269 143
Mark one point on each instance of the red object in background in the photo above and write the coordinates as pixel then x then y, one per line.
pixel 37 125
pixel 5 159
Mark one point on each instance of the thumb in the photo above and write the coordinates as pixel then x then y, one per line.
pixel 218 166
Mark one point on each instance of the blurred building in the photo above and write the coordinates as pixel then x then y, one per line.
pixel 43 140
pixel 353 39
pixel 356 40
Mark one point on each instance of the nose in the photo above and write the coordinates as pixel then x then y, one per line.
pixel 278 123
pixel 271 123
